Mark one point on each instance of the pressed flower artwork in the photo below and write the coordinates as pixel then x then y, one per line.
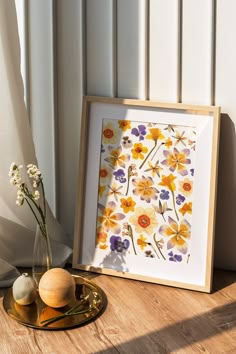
pixel 145 192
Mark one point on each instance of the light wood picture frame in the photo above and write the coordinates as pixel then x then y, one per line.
pixel 146 196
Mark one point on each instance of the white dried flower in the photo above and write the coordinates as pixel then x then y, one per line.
pixel 36 195
pixel 20 197
pixel 25 192
pixel 33 172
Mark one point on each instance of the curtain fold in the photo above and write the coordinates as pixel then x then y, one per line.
pixel 17 224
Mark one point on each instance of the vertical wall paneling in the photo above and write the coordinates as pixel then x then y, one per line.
pixel 131 48
pixel 166 50
pixel 70 86
pixel 99 47
pixel 164 55
pixel 21 10
pixel 197 46
pixel 41 87
pixel 225 88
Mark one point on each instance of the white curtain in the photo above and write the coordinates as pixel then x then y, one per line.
pixel 17 224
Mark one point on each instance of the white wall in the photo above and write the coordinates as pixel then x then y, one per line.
pixel 165 50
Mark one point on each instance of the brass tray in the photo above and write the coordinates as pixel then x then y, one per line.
pixel 90 302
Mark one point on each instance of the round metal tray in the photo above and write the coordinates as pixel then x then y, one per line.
pixel 90 299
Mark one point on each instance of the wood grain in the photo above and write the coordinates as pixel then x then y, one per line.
pixel 140 318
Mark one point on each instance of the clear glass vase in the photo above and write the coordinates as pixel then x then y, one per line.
pixel 42 256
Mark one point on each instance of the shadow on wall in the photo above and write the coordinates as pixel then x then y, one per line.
pixel 183 334
pixel 225 231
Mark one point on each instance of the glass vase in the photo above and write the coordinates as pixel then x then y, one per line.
pixel 42 256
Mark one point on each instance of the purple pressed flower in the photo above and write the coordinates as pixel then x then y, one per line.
pixel 126 142
pixel 164 195
pixel 120 175
pixel 180 199
pixel 174 257
pixel 117 244
pixel 140 132
pixel 192 171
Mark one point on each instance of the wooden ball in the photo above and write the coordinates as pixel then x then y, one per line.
pixel 57 287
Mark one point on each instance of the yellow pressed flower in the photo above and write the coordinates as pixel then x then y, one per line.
pixel 155 134
pixel 144 187
pixel 177 160
pixel 144 220
pixel 155 169
pixel 127 204
pixel 168 143
pixel 180 138
pixel 104 173
pixel 116 158
pixel 115 190
pixel 124 124
pixel 109 218
pixel 178 234
pixel 138 151
pixel 109 133
pixel 142 242
pixel 101 190
pixel 168 181
pixel 186 187
pixel 101 236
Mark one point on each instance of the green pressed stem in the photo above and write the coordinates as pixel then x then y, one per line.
pixel 44 199
pixel 158 247
pixel 39 223
pixel 173 198
pixel 148 155
pixel 153 249
pixel 67 314
pixel 157 150
pixel 132 238
pixel 128 177
pixel 72 312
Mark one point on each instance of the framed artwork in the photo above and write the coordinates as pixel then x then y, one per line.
pixel 147 190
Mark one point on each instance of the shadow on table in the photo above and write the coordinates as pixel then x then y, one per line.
pixel 182 334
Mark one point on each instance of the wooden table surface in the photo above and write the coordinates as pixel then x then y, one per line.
pixel 139 318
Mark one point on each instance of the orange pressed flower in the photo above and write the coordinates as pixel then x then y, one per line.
pixel 103 247
pixel 101 236
pixel 186 208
